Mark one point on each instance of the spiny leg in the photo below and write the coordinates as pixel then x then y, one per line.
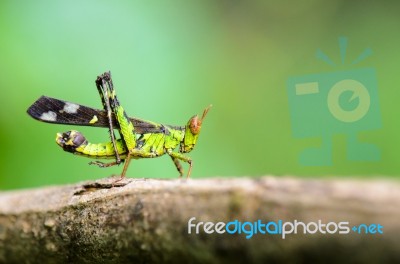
pixel 125 128
pixel 126 165
pixel 135 153
pixel 100 84
pixel 180 156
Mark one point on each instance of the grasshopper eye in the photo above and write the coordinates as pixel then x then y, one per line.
pixel 195 125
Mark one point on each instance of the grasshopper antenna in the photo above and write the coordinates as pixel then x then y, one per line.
pixel 205 113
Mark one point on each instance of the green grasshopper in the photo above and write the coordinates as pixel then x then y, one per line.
pixel 139 138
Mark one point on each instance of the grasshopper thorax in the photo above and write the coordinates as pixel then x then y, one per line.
pixel 192 131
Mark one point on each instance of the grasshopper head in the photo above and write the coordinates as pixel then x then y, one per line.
pixel 192 131
pixel 70 140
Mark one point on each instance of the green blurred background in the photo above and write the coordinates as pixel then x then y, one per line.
pixel 169 60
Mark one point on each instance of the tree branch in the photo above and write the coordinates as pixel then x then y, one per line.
pixel 147 221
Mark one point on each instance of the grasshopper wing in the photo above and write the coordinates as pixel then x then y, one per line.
pixel 51 110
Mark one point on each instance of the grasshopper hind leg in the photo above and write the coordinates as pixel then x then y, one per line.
pixel 101 85
pixel 110 164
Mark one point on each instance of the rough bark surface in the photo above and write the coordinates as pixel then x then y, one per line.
pixel 146 221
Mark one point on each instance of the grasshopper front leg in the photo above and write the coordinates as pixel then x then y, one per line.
pixel 178 166
pixel 179 156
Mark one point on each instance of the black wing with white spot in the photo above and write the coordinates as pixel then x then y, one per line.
pixel 51 110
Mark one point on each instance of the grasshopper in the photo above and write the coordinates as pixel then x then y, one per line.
pixel 139 138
